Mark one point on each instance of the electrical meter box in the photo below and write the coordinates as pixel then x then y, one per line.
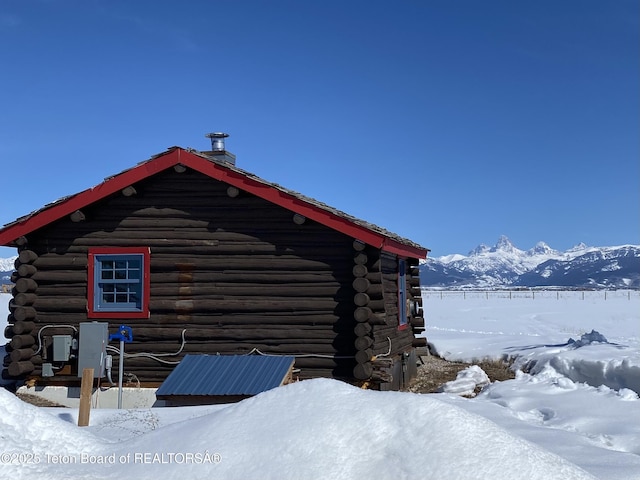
pixel 62 347
pixel 92 347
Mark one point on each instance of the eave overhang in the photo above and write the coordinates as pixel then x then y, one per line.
pixel 309 208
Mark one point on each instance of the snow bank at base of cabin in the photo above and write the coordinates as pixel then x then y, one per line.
pixel 312 429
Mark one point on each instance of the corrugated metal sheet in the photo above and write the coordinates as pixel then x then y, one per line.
pixel 226 375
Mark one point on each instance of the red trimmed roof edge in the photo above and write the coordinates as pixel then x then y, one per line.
pixel 308 207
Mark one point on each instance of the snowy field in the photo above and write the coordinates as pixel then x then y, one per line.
pixel 579 398
pixel 575 414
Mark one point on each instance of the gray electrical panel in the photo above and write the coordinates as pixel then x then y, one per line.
pixel 92 347
pixel 62 347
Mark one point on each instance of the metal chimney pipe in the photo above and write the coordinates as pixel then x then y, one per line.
pixel 217 141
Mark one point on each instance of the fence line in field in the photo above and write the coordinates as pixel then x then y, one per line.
pixel 532 294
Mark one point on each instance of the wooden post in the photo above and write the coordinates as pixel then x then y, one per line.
pixel 86 386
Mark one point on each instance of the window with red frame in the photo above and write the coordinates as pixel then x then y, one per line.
pixel 118 283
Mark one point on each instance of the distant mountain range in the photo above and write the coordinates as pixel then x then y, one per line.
pixel 504 265
pixel 6 269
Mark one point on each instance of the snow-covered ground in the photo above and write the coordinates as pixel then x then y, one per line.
pixel 581 350
pixel 574 415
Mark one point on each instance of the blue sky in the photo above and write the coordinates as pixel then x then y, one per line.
pixel 447 122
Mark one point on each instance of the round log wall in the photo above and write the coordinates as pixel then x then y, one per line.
pixel 21 330
pixel 239 273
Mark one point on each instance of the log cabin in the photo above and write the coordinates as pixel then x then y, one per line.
pixel 198 256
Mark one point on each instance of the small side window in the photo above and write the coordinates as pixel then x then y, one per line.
pixel 118 284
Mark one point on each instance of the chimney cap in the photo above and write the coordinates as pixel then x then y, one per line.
pixel 217 135
pixel 217 140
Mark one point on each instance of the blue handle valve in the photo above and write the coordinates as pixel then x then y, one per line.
pixel 125 334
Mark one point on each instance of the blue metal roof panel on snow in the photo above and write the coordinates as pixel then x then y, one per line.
pixel 226 375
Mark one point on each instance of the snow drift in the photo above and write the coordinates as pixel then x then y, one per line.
pixel 312 429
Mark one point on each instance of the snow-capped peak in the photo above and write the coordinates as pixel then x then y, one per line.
pixel 541 248
pixel 504 245
pixel 479 250
pixel 578 248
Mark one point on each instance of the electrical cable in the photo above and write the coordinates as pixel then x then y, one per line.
pixel 303 355
pixel 50 326
pixel 154 356
pixel 315 355
pixel 388 351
